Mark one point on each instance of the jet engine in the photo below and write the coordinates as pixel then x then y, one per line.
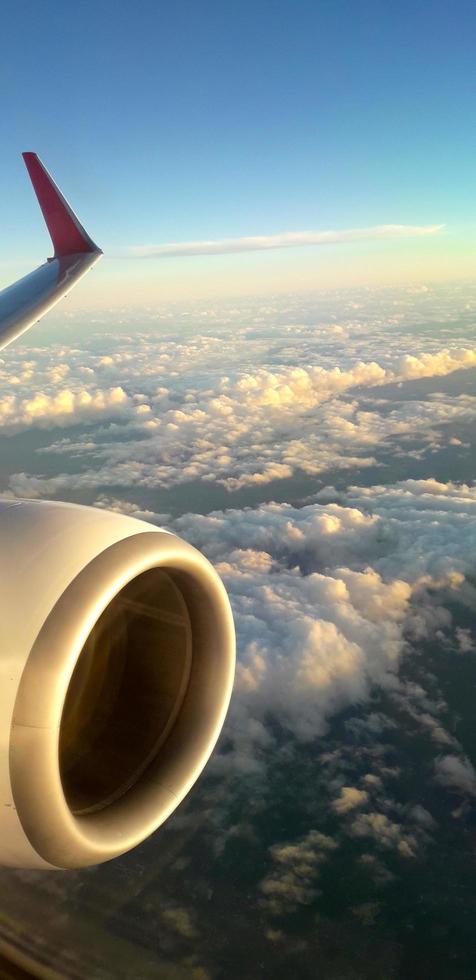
pixel 116 668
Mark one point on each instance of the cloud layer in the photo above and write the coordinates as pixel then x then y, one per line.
pixel 301 400
pixel 327 598
pixel 342 758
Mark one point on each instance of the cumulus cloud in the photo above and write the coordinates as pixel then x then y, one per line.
pixel 289 239
pixel 349 798
pixel 259 428
pixel 295 868
pixel 179 920
pixel 314 385
pixel 328 596
pixel 386 833
pixel 464 639
pixel 244 397
pixel 131 509
pixel 68 405
pixel 457 773
pixel 331 599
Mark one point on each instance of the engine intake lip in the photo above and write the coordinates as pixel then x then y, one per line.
pixel 60 834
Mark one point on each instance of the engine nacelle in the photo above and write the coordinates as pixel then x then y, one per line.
pixel 117 653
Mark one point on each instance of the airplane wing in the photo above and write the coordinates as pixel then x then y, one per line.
pixel 22 304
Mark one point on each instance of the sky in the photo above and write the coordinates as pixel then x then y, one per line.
pixel 206 121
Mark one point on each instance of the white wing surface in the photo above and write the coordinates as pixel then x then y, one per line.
pixel 22 304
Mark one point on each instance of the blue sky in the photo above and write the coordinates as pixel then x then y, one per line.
pixel 195 120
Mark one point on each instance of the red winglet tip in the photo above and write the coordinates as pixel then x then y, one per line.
pixel 67 233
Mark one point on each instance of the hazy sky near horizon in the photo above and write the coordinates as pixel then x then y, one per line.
pixel 205 121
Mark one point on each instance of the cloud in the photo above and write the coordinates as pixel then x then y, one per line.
pixel 131 509
pixel 349 798
pixel 386 833
pixel 457 773
pixel 332 600
pixel 329 596
pixel 464 639
pixel 245 396
pixel 295 868
pixel 67 406
pixel 250 430
pixel 289 239
pixel 179 920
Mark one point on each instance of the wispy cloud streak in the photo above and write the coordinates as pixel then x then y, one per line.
pixel 287 239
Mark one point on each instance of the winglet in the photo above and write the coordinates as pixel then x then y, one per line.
pixel 67 233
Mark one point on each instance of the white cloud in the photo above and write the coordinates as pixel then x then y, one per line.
pixel 457 773
pixel 422 816
pixel 327 596
pixel 131 509
pixel 386 833
pixel 464 639
pixel 331 598
pixel 179 920
pixel 245 396
pixel 67 406
pixel 253 430
pixel 288 239
pixel 349 798
pixel 295 868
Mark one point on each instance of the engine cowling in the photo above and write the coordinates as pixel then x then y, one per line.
pixel 117 653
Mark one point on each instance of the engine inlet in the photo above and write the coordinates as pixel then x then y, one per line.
pixel 125 692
